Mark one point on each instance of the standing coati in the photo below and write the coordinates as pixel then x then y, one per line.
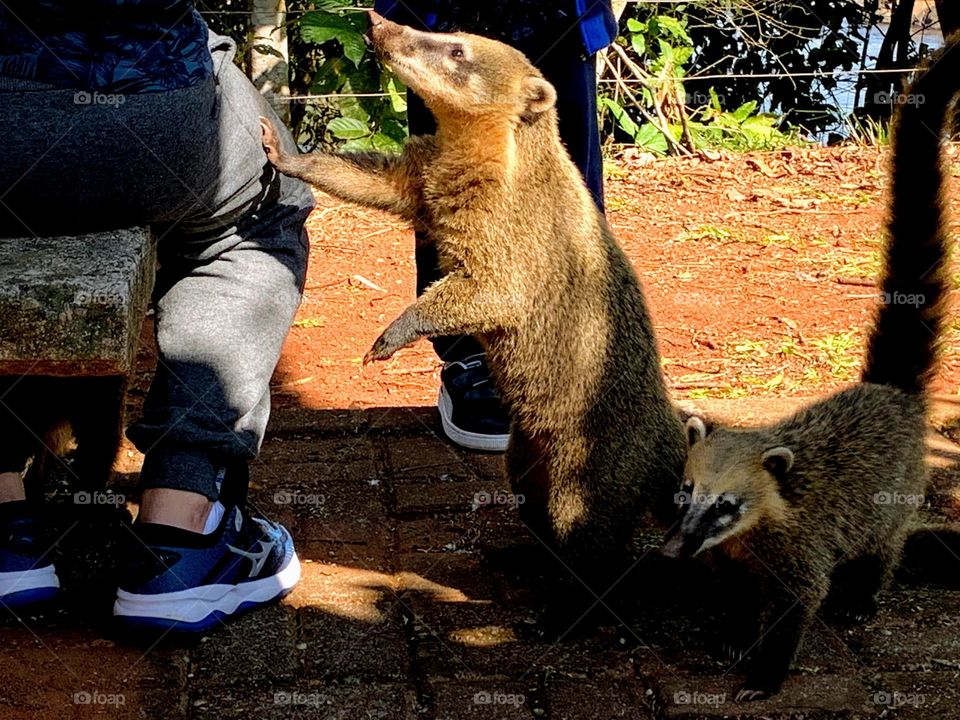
pixel 532 270
pixel 824 500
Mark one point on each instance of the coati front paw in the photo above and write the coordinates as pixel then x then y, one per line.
pixel 747 694
pixel 855 613
pixel 400 333
pixel 271 143
pixel 759 686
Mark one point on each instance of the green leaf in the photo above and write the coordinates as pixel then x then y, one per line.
pixel 319 27
pixel 354 47
pixel 650 139
pixel 345 128
pixel 385 143
pixel 329 77
pixel 394 129
pixel 360 145
pixel 398 95
pixel 745 111
pixel 635 26
pixel 639 43
pixel 351 107
pixel 623 119
pixel 332 5
pixel 675 28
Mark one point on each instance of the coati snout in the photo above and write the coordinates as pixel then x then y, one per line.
pixel 727 489
pixel 462 72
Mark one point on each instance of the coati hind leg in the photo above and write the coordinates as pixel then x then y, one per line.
pixel 857 582
pixel 526 463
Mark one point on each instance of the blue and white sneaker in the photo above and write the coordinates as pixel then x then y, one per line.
pixel 27 575
pixel 471 411
pixel 188 582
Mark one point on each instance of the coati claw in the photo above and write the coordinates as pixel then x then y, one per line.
pixel 748 695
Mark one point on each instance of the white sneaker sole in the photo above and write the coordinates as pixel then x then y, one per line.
pixel 197 604
pixel 463 438
pixel 22 580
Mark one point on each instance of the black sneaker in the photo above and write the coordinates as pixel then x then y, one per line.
pixel 472 413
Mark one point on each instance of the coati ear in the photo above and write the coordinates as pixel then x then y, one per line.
pixel 538 97
pixel 778 461
pixel 696 430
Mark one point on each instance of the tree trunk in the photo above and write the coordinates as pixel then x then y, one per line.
pixel 948 13
pixel 269 58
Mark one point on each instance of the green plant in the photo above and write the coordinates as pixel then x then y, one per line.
pixel 372 113
pixel 661 117
pixel 839 353
pixel 868 131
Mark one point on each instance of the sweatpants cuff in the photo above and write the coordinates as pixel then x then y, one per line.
pixel 181 469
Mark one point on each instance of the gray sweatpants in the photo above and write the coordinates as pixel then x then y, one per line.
pixel 231 243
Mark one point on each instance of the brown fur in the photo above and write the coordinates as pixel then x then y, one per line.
pixel 821 503
pixel 532 270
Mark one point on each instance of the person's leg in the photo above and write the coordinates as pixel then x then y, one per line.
pixel 232 262
pixel 575 78
pixel 76 167
pixel 229 285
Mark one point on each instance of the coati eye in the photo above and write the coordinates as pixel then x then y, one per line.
pixel 726 503
pixel 456 53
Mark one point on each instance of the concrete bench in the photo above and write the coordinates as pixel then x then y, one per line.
pixel 71 310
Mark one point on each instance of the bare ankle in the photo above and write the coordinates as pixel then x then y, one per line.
pixel 11 487
pixel 177 508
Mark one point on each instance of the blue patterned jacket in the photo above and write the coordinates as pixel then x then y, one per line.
pixel 117 46
pixel 598 25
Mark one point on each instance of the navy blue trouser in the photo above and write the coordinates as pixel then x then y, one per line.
pixel 574 76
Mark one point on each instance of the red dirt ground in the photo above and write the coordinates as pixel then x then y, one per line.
pixel 758 269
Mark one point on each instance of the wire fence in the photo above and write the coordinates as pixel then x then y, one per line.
pixel 844 82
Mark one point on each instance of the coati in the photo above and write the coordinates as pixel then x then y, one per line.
pixel 533 271
pixel 824 500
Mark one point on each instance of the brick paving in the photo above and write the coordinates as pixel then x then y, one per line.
pixel 416 604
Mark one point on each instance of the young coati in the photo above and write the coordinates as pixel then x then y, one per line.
pixel 532 270
pixel 824 500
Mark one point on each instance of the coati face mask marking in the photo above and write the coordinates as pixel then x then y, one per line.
pixel 724 493
pixel 467 73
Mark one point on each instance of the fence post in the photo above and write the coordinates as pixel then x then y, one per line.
pixel 269 56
